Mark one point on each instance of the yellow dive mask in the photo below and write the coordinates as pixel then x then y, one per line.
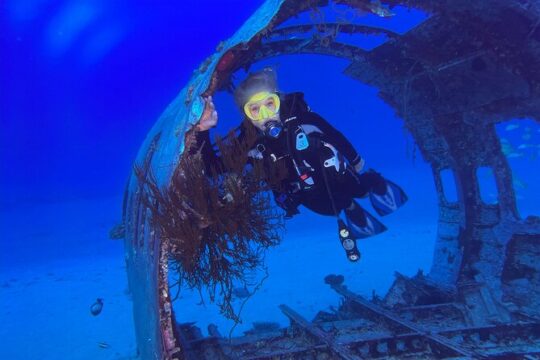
pixel 262 105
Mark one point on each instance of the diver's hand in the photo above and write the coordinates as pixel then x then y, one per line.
pixel 358 167
pixel 209 117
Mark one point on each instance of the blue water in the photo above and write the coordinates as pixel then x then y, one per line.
pixel 81 84
pixel 74 113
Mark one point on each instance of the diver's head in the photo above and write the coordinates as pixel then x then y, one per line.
pixel 258 100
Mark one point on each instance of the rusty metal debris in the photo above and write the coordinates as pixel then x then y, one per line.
pixel 363 329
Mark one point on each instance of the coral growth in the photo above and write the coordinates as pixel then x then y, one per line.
pixel 216 222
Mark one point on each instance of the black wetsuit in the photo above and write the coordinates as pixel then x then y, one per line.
pixel 318 175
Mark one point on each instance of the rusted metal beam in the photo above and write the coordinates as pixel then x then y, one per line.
pixel 336 348
pixel 280 347
pixel 322 45
pixel 333 28
pixel 389 316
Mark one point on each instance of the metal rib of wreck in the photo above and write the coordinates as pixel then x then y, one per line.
pixel 451 79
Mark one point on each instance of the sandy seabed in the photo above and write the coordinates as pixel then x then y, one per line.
pixel 56 260
pixel 46 311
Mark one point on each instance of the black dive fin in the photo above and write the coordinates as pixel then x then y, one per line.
pixel 361 223
pixel 390 201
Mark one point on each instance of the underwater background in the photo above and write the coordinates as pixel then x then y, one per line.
pixel 81 84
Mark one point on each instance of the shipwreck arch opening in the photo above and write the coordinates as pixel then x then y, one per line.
pixel 310 249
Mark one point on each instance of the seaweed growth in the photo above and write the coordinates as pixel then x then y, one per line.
pixel 216 222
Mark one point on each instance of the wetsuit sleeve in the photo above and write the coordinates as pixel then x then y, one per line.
pixel 336 138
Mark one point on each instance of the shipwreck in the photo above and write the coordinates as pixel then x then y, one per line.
pixel 451 79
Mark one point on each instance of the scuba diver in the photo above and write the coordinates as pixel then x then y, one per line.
pixel 324 170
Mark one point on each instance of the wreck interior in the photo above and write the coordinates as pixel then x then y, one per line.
pixel 454 79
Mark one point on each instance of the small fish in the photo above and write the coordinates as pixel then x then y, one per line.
pixel 514 155
pixel 96 307
pixel 518 184
pixel 507 149
pixel 511 127
pixel 378 9
pixel 104 345
pixel 374 7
